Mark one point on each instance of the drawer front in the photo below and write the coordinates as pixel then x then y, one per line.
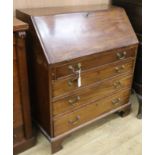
pixel 92 76
pixel 94 61
pixel 89 112
pixel 18 134
pixel 88 95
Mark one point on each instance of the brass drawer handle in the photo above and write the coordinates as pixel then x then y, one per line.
pixel 117 84
pixel 74 122
pixel 119 69
pixel 71 81
pixel 121 55
pixel 75 69
pixel 73 101
pixel 116 101
pixel 70 67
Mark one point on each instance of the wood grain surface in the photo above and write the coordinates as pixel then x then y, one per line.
pixel 68 36
pixel 92 40
pixel 89 112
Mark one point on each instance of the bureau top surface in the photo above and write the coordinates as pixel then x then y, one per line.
pixel 73 32
pixel 18 25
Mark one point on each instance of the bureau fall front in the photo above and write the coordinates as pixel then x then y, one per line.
pixel 81 64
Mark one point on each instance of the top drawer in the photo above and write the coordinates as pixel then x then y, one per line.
pixel 94 61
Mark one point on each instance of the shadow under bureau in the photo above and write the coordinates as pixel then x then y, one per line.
pixel 81 63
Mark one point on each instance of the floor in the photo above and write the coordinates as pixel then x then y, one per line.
pixel 111 136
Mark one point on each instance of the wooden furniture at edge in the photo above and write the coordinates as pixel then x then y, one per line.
pixel 22 127
pixel 134 11
pixel 96 41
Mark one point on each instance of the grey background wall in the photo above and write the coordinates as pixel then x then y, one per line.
pixel 47 3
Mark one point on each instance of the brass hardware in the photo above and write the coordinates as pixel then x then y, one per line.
pixel 71 81
pixel 75 69
pixel 70 67
pixel 74 122
pixel 121 55
pixel 116 101
pixel 77 72
pixel 79 65
pixel 73 101
pixel 119 69
pixel 117 84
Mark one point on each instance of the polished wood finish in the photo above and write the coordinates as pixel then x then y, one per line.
pixel 97 59
pixel 91 94
pixel 91 111
pixel 61 87
pixel 134 11
pixel 96 41
pixel 82 25
pixel 22 126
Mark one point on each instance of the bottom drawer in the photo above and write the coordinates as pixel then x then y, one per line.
pixel 18 135
pixel 89 112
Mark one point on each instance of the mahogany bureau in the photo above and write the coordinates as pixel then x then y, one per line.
pixel 81 63
pixel 22 127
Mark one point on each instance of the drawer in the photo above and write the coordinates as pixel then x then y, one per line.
pixel 89 112
pixel 91 94
pixel 18 134
pixel 92 76
pixel 94 61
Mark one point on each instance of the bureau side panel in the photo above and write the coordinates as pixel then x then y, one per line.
pixel 39 78
pixel 40 86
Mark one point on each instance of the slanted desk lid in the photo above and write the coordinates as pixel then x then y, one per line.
pixel 68 36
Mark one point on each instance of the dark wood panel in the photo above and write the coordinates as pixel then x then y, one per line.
pixel 134 11
pixel 21 104
pixel 18 134
pixel 17 107
pixel 39 84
